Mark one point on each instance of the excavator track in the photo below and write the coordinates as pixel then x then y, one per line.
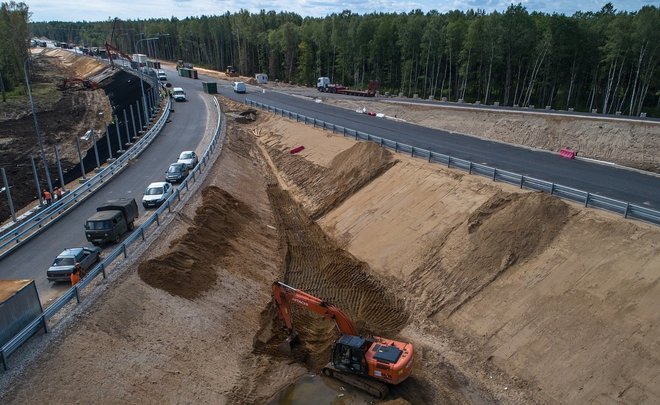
pixel 374 388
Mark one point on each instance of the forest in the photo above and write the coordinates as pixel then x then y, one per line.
pixel 14 40
pixel 605 61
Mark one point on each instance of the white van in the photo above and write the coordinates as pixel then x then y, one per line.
pixel 178 94
pixel 239 87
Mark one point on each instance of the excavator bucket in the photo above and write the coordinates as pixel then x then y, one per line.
pixel 286 346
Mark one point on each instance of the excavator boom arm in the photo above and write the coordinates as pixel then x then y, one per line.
pixel 285 295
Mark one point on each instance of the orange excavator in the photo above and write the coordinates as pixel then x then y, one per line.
pixel 368 363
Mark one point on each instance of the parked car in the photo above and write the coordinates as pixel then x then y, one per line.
pixel 176 172
pixel 239 87
pixel 189 158
pixel 65 262
pixel 156 194
pixel 162 75
pixel 178 94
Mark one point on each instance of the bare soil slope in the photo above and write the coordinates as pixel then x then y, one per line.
pixel 62 115
pixel 508 296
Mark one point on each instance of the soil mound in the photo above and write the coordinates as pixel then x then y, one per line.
pixel 189 268
pixel 507 229
pixel 326 188
pixel 314 264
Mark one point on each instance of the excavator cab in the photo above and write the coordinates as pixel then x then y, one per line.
pixel 349 353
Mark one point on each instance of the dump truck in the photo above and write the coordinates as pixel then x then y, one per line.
pixel 369 363
pixel 111 221
pixel 324 85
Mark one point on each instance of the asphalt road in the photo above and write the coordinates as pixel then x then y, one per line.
pixel 184 132
pixel 619 183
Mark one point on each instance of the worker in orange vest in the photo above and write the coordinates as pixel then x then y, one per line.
pixel 47 197
pixel 75 275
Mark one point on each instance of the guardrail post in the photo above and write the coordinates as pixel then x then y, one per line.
pixel 552 189
pixel 142 233
pixel 157 219
pixel 333 128
pixel 470 169
pixel 412 151
pixel 45 323
pixel 430 154
pixel 625 213
pixel 103 270
pixel 314 123
pixel 449 164
pixel 343 130
pixel 522 180
pixel 356 135
pixel 494 174
pixel 4 360
pixel 586 200
pixel 77 295
pixel 123 249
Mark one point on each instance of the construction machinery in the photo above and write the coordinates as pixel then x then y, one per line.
pixel 231 71
pixel 368 363
pixel 324 85
pixel 109 48
pixel 73 82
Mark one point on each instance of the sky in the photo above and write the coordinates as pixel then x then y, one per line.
pixel 99 10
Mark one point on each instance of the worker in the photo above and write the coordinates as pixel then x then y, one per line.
pixel 58 193
pixel 75 275
pixel 47 197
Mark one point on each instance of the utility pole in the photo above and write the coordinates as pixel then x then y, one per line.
pixel 2 88
pixel 36 126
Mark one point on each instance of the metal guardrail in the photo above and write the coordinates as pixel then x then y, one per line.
pixel 589 200
pixel 120 252
pixel 44 218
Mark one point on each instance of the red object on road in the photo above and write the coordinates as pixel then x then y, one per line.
pixel 296 149
pixel 567 153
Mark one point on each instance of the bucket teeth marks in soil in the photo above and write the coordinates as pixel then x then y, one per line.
pixel 504 231
pixel 189 268
pixel 315 264
pixel 323 188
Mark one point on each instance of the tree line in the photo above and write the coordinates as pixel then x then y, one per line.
pixel 14 41
pixel 605 61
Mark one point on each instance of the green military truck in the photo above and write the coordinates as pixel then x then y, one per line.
pixel 111 221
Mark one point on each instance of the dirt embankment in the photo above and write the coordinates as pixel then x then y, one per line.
pixel 518 291
pixel 628 143
pixel 508 296
pixel 63 114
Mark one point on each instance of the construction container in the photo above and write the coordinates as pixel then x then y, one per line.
pixel 19 305
pixel 262 78
pixel 210 87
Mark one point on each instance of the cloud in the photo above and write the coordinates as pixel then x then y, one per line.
pixel 98 10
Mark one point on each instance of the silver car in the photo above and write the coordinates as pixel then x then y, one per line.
pixel 189 158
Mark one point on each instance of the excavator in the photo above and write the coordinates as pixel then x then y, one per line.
pixel 368 363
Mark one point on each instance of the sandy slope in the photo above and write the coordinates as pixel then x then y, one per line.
pixel 508 296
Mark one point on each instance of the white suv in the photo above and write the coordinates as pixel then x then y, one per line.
pixel 178 94
pixel 162 75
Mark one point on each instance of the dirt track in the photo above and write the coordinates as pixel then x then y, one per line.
pixel 508 296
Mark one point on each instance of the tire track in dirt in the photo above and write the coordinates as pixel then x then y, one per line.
pixel 314 263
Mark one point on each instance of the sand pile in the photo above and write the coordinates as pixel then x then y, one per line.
pixel 189 268
pixel 506 230
pixel 324 188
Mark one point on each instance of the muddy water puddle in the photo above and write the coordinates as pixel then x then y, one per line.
pixel 320 390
